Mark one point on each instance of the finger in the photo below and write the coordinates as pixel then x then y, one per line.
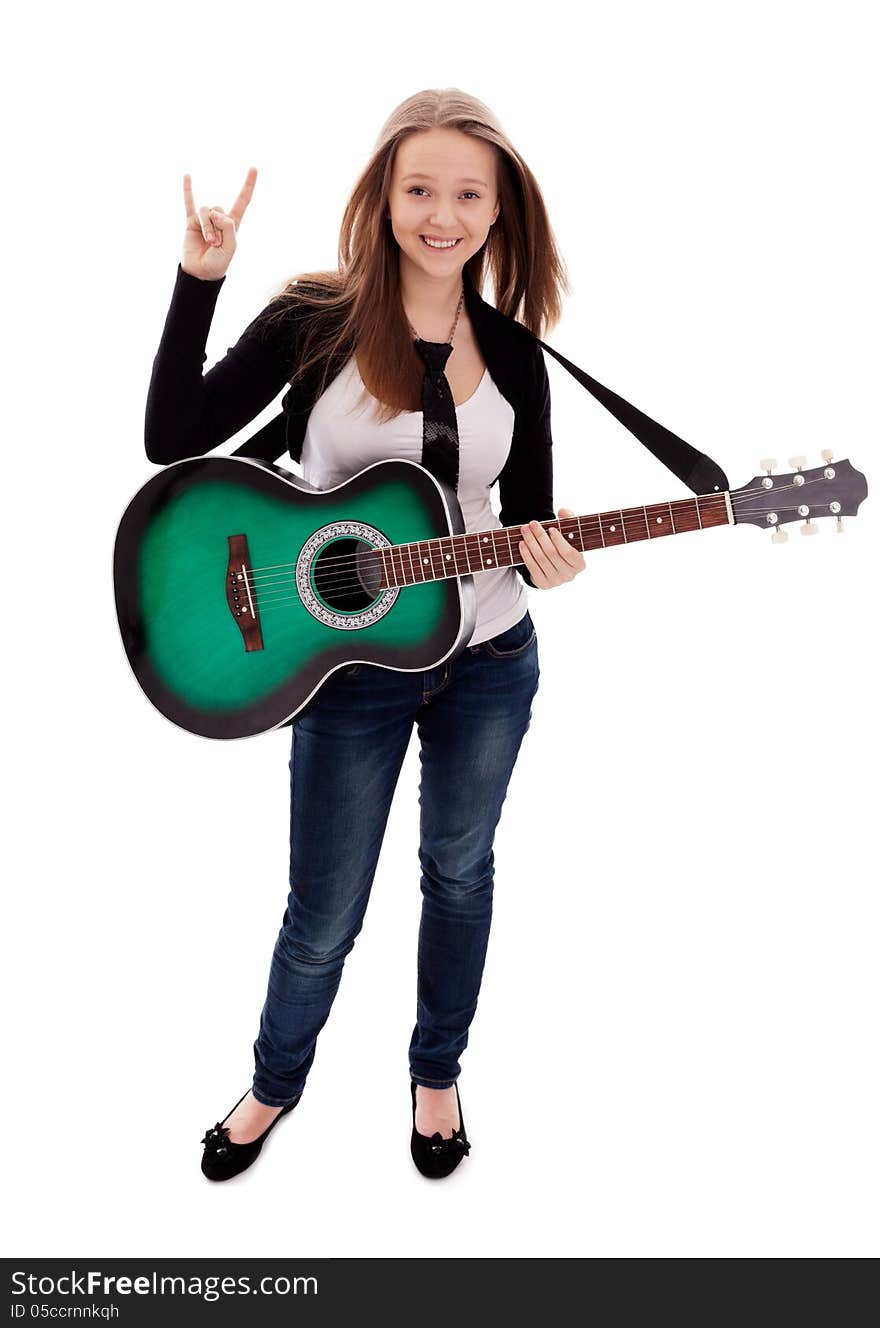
pixel 205 223
pixel 554 549
pixel 223 223
pixel 540 546
pixel 526 556
pixel 545 549
pixel 188 201
pixel 570 554
pixel 244 197
pixel 573 555
pixel 569 539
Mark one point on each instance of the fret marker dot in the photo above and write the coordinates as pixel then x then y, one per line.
pixel 448 556
pixel 614 527
pixel 485 539
pixel 489 561
pixel 659 521
pixel 424 560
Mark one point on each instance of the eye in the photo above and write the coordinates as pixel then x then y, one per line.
pixel 419 187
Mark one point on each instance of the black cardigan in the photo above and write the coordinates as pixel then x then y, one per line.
pixel 188 413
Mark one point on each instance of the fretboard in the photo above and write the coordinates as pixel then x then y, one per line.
pixel 481 551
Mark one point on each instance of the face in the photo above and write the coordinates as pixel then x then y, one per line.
pixel 443 187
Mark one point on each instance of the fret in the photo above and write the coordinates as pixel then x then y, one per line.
pixel 433 554
pixel 658 520
pixel 672 518
pixel 613 529
pixel 424 557
pixel 696 503
pixel 384 576
pixel 647 525
pixel 447 555
pixel 623 527
pixel 466 550
pixel 460 547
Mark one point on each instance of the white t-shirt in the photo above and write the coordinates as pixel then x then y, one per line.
pixel 342 438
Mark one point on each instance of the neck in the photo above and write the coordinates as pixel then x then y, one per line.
pixel 429 302
pixel 485 550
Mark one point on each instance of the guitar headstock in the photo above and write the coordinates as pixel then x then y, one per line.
pixel 771 501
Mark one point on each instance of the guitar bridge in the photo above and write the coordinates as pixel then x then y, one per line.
pixel 239 596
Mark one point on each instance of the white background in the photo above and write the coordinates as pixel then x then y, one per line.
pixel 675 1048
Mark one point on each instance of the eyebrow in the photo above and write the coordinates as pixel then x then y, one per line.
pixel 418 175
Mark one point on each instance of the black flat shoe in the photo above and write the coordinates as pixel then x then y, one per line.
pixel 222 1158
pixel 435 1156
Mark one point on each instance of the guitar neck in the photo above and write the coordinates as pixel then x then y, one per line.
pixel 485 550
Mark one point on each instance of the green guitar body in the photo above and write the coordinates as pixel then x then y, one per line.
pixel 240 588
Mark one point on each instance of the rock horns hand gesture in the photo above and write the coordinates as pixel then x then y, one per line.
pixel 209 238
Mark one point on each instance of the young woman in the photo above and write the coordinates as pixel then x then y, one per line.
pixel 444 198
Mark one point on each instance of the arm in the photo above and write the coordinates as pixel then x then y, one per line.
pixel 525 484
pixel 188 413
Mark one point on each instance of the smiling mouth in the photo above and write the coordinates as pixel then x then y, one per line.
pixel 439 244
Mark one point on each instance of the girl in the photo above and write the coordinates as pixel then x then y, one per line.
pixel 444 197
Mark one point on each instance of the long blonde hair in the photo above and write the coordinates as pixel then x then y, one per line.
pixel 360 304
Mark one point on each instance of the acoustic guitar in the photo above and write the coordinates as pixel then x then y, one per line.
pixel 240 588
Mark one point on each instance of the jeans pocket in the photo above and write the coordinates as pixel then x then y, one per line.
pixel 514 641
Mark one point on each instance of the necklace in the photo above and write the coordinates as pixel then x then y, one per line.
pixel 454 325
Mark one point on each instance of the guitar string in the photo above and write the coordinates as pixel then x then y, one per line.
pixel 278 597
pixel 738 501
pixel 269 573
pixel 344 589
pixel 342 577
pixel 736 496
pixel 348 558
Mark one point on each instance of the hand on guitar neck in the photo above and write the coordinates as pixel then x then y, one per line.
pixel 550 559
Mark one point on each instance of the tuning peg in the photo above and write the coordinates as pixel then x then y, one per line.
pixel 827 454
pixel 767 464
pixel 809 527
pixel 779 536
pixel 798 462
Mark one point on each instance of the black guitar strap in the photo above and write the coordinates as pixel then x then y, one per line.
pixel 699 472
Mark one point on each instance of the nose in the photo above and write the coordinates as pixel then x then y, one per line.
pixel 443 217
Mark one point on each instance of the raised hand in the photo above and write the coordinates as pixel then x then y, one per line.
pixel 209 238
pixel 550 558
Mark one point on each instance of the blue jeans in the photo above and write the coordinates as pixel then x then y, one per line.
pixel 346 755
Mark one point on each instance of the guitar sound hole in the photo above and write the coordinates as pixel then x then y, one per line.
pixel 346 575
